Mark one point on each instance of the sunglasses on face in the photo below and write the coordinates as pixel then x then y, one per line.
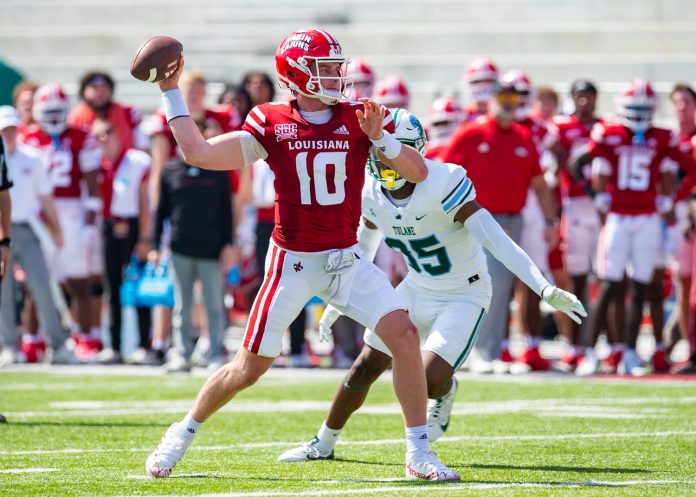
pixel 508 98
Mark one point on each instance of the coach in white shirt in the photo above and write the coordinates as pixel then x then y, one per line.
pixel 30 194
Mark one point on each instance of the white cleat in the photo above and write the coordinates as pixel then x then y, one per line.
pixel 167 454
pixel 307 452
pixel 439 413
pixel 589 364
pixel 426 466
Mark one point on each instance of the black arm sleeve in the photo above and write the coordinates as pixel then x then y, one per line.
pixel 5 183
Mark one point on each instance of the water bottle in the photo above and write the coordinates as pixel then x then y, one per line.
pixel 129 286
pixel 233 278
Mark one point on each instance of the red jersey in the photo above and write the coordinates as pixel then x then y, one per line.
pixel 687 144
pixel 319 173
pixel 500 162
pixel 573 137
pixel 76 152
pixel 434 151
pixel 544 135
pixel 225 120
pixel 634 169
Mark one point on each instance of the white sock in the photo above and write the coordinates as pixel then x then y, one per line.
pixel 505 344
pixel 189 426
pixel 327 437
pixel 659 346
pixel 416 439
pixel 534 342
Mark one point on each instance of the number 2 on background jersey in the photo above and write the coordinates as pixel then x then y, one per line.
pixel 319 178
pixel 634 171
pixel 59 169
pixel 424 248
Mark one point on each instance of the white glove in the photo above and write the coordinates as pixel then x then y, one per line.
pixel 328 318
pixel 563 301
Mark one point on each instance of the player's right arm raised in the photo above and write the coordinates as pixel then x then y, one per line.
pixel 227 151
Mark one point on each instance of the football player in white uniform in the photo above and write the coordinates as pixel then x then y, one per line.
pixel 441 230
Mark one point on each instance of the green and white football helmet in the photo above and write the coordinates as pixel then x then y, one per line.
pixel 409 131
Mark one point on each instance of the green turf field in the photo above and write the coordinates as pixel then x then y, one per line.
pixel 78 432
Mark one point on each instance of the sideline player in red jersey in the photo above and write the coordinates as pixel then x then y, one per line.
pixel 580 220
pixel 444 118
pixel 634 188
pixel 683 100
pixel 482 78
pixel 317 146
pixel 73 156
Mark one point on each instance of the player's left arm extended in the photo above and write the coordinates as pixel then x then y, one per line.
pixel 487 231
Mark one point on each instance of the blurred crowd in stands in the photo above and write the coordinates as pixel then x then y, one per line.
pixel 116 239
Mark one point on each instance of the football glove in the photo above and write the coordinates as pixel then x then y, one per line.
pixel 564 301
pixel 328 318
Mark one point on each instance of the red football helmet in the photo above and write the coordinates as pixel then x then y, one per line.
pixel 363 79
pixel 51 106
pixel 445 116
pixel 636 105
pixel 520 83
pixel 297 64
pixel 482 76
pixel 392 92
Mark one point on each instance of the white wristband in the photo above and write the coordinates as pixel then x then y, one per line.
pixel 174 104
pixel 94 204
pixel 388 145
pixel 664 203
pixel 602 201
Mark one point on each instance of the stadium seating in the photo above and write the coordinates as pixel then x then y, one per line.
pixel 427 43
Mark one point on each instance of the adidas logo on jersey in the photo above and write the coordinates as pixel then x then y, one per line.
pixel 341 130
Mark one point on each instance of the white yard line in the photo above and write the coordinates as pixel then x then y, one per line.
pixel 598 407
pixel 570 437
pixel 28 470
pixel 447 488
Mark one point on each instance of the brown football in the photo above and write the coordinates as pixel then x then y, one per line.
pixel 156 59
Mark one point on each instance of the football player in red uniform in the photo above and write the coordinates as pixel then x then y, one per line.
pixel 634 186
pixel 73 159
pixel 317 146
pixel 482 78
pixel 683 100
pixel 392 92
pixel 579 220
pixel 444 118
pixel 363 79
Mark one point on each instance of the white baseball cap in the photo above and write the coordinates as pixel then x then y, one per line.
pixel 8 117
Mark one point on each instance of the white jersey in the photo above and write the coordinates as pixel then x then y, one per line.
pixel 442 257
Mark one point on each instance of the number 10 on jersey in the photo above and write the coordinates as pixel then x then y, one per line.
pixel 315 178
